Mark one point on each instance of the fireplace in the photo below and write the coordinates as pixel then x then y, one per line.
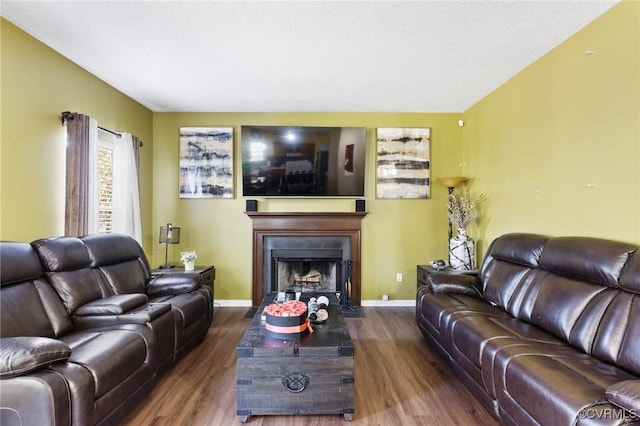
pixel 306 252
pixel 305 263
pixel 313 274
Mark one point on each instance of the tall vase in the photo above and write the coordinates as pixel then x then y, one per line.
pixel 462 252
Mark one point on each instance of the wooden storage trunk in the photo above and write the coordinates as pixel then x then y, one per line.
pixel 314 375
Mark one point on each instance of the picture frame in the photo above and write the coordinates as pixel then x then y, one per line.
pixel 403 163
pixel 206 162
pixel 348 159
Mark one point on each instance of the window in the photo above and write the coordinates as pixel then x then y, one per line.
pixel 111 191
pixel 102 189
pixel 104 198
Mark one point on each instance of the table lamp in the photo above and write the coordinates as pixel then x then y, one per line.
pixel 168 235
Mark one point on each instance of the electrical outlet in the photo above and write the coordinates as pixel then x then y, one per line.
pixel 399 277
pixel 385 297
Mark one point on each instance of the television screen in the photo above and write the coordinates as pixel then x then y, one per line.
pixel 284 161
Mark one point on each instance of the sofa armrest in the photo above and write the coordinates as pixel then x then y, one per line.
pixel 22 355
pixel 143 314
pixel 455 283
pixel 172 284
pixel 40 398
pixel 112 305
pixel 626 395
pixel 146 313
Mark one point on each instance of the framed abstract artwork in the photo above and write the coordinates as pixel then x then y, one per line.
pixel 403 163
pixel 206 162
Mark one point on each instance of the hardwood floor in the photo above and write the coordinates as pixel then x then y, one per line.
pixel 399 379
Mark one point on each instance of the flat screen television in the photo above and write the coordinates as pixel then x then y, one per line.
pixel 290 161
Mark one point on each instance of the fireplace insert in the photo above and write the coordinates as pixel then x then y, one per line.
pixel 317 264
pixel 315 270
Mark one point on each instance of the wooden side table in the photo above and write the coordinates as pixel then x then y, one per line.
pixel 208 273
pixel 425 270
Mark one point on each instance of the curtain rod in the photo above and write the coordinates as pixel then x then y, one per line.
pixel 116 134
pixel 66 115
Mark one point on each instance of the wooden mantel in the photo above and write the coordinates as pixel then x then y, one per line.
pixel 299 224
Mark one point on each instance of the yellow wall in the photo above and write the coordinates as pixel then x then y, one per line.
pixel 533 145
pixel 37 85
pixel 557 148
pixel 396 234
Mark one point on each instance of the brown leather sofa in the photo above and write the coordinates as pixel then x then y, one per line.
pixel 548 333
pixel 85 329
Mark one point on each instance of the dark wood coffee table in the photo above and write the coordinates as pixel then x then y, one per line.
pixel 314 375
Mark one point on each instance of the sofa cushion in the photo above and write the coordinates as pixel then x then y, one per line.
pixel 522 249
pixel 22 313
pixel 587 259
pixel 28 304
pixel 111 356
pixel 21 355
pixel 121 261
pixel 75 288
pixel 473 339
pixel 553 385
pixel 472 333
pixel 618 333
pixel 569 294
pixel 105 250
pixel 62 253
pixel 67 267
pixel 436 309
pixel 630 278
pixel 568 308
pixel 596 319
pixel 18 262
pixel 55 309
pixel 509 267
pixel 125 277
pixel 505 284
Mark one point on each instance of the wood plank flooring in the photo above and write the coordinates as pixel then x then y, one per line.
pixel 399 379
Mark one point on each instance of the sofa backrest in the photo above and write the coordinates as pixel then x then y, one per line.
pixel 508 268
pixel 28 304
pixel 67 267
pixel 120 261
pixel 618 335
pixel 585 291
pixel 577 282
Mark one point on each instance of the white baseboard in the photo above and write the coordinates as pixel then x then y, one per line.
pixel 234 303
pixel 389 303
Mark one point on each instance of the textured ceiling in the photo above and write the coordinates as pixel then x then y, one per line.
pixel 368 56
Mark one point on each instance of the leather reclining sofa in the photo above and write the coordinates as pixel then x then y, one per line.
pixel 547 333
pixel 86 329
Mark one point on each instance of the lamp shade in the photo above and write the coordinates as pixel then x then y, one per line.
pixel 169 234
pixel 451 182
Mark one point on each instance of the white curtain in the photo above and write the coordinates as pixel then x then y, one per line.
pixel 126 188
pixel 92 178
pixel 82 179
